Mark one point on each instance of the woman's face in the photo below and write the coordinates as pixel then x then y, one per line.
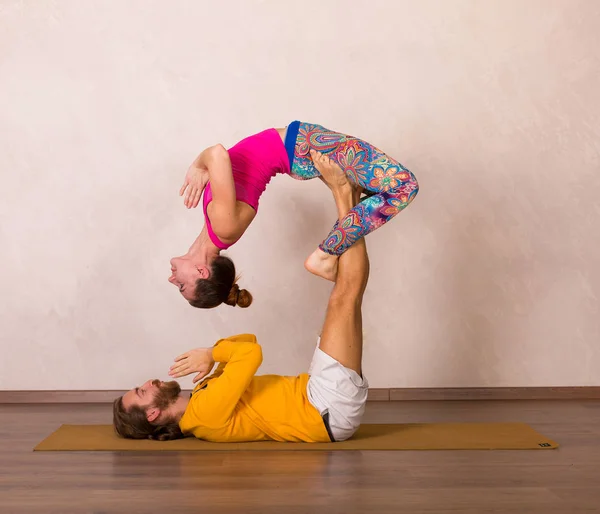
pixel 184 275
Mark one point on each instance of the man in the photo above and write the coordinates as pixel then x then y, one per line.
pixel 233 405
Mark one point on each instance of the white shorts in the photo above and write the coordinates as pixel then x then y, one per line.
pixel 338 393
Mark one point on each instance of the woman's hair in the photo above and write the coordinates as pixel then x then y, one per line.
pixel 221 287
pixel 133 424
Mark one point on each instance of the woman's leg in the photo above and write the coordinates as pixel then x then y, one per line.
pixel 365 165
pixel 366 216
pixel 392 188
pixel 304 138
pixel 370 214
pixel 389 187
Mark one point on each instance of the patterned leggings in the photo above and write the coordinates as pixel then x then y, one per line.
pixel 389 185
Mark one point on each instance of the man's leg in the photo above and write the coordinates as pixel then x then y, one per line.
pixel 342 332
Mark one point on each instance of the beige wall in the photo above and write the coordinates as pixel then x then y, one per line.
pixel 491 278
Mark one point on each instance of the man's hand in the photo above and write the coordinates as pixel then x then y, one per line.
pixel 331 173
pixel 193 186
pixel 199 360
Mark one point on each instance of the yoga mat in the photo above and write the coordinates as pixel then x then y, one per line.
pixel 413 436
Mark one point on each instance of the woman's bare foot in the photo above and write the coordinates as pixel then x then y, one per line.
pixel 322 264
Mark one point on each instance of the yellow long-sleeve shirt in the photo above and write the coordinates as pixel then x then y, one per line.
pixel 233 405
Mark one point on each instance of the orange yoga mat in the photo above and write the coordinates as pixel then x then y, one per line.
pixel 412 436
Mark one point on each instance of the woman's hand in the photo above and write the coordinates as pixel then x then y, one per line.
pixel 194 183
pixel 199 360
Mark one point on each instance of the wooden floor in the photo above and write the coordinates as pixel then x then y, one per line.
pixel 562 481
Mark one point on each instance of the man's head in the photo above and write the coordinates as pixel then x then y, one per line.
pixel 150 411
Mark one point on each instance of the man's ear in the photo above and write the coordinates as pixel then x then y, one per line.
pixel 152 414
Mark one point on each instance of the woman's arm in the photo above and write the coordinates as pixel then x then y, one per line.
pixel 214 165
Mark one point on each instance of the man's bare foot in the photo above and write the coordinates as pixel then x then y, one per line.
pixel 330 171
pixel 322 264
pixel 357 191
pixel 335 178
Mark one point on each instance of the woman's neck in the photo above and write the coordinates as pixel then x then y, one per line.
pixel 203 248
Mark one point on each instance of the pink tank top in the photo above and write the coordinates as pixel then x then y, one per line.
pixel 254 161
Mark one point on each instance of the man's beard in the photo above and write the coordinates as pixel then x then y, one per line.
pixel 168 392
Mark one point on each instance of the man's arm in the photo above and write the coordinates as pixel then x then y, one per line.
pixel 239 358
pixel 242 338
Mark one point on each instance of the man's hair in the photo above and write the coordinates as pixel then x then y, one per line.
pixel 133 424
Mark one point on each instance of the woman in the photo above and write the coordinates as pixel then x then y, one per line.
pixel 233 180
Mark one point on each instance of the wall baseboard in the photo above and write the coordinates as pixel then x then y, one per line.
pixel 375 395
pixel 496 393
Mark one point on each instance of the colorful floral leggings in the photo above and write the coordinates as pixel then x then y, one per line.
pixel 389 185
